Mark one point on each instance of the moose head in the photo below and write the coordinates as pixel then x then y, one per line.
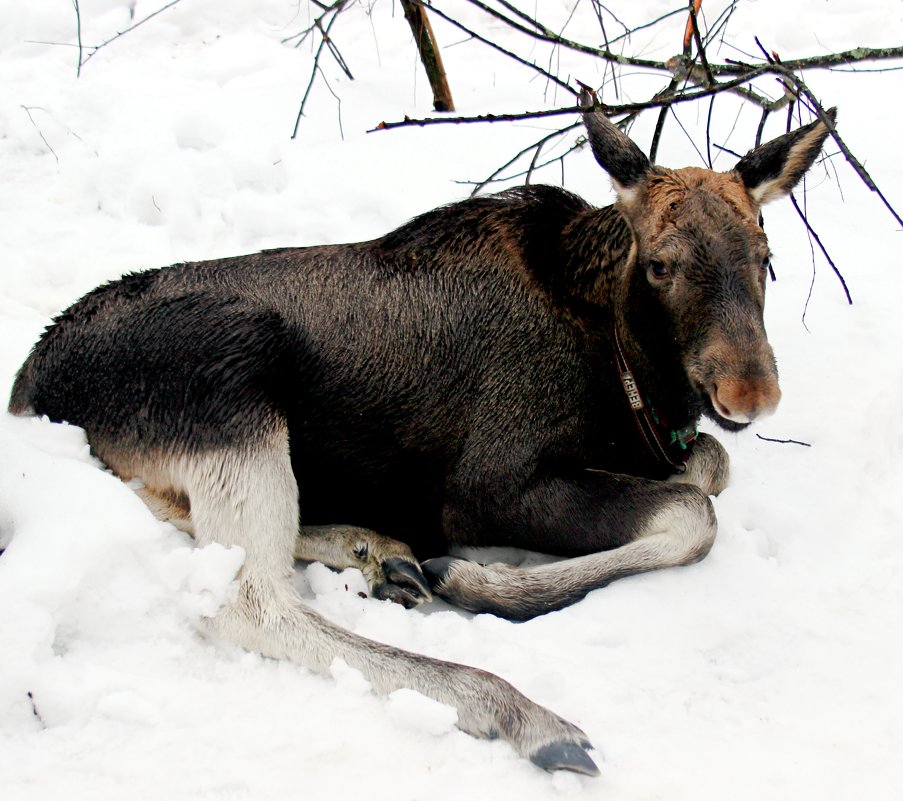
pixel 693 289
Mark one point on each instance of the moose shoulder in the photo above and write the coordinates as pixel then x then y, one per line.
pixel 520 370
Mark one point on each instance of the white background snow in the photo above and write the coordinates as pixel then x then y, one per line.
pixel 771 670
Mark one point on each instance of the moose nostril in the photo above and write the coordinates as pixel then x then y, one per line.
pixel 716 398
pixel 718 401
pixel 744 401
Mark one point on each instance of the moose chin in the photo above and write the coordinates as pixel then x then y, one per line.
pixel 520 370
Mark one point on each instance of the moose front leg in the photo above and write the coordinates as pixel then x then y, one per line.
pixel 391 570
pixel 624 525
pixel 708 466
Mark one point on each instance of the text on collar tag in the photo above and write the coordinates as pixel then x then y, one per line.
pixel 633 394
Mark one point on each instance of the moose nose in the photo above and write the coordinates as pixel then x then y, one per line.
pixel 743 401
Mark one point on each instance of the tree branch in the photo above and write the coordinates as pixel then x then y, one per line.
pixel 123 32
pixel 473 34
pixel 425 40
pixel 335 9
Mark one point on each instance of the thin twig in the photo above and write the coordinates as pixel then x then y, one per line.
pixel 857 165
pixel 578 144
pixel 537 144
pixel 785 441
pixel 821 247
pixel 668 91
pixel 336 9
pixel 409 122
pixel 760 130
pixel 548 75
pixel 547 35
pixel 543 33
pixel 728 150
pixel 720 23
pixel 78 34
pixel 610 110
pixel 700 49
pixel 629 32
pixel 95 48
pixel 338 101
pixel 598 5
pixel 28 110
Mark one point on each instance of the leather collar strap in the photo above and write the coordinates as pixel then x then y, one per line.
pixel 668 446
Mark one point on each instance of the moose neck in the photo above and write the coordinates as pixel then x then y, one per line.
pixel 609 294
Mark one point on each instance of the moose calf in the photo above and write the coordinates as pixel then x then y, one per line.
pixel 521 370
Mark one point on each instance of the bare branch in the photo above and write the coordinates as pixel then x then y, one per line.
pixel 668 91
pixel 335 9
pixel 785 441
pixel 78 34
pixel 428 49
pixel 532 65
pixel 700 48
pixel 409 122
pixel 857 165
pixel 857 54
pixel 28 110
pixel 691 76
pixel 545 34
pixel 537 146
pixel 123 32
pixel 821 247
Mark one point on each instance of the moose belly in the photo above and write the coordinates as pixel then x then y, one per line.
pixel 360 484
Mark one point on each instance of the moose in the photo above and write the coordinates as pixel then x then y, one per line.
pixel 521 370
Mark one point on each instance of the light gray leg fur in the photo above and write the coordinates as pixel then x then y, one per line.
pixel 680 532
pixel 250 499
pixel 708 466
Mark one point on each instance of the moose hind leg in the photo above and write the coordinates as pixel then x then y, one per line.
pixel 247 496
pixel 678 529
pixel 390 568
pixel 169 507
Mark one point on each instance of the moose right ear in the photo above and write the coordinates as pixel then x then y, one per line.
pixel 773 169
pixel 614 150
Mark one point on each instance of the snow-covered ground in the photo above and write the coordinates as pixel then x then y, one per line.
pixel 771 670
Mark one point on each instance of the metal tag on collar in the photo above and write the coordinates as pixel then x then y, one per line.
pixel 684 436
pixel 633 394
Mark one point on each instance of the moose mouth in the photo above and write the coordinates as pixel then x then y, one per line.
pixel 723 421
pixel 734 403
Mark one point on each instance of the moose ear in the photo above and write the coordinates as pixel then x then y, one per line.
pixel 773 169
pixel 616 153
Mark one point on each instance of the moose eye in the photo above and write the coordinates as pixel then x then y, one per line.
pixel 765 267
pixel 659 269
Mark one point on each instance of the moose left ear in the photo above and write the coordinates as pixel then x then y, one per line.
pixel 773 169
pixel 625 163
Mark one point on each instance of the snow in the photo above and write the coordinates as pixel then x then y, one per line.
pixel 769 670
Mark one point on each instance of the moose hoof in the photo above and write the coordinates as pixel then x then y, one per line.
pixel 478 588
pixel 449 579
pixel 404 583
pixel 437 569
pixel 565 756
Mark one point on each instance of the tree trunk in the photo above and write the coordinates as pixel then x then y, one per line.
pixel 415 14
